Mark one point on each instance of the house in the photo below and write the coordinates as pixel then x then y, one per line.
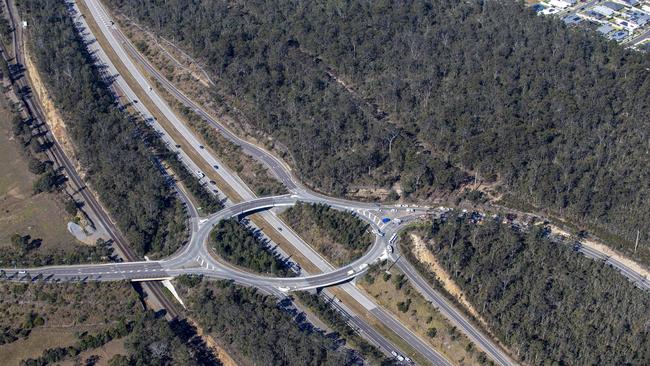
pixel 604 29
pixel 562 4
pixel 634 21
pixel 630 2
pixel 639 19
pixel 549 11
pixel 603 10
pixel 618 35
pixel 572 19
pixel 614 6
pixel 593 15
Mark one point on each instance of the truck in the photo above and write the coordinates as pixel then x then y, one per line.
pixel 392 238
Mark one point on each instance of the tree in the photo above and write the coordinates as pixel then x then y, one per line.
pixel 21 242
pixel 36 166
pixel 71 206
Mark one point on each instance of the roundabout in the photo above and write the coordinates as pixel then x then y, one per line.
pixel 195 259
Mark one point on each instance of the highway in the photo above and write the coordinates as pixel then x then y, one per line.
pixel 195 257
pixel 456 318
pixel 92 206
pixel 283 172
pixel 198 260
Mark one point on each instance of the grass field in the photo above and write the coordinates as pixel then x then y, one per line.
pixel 41 216
pixel 65 309
pixel 33 346
pixel 105 353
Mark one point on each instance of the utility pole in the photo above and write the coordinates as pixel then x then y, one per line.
pixel 392 264
pixel 636 244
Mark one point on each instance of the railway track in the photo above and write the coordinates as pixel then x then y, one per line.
pixel 33 108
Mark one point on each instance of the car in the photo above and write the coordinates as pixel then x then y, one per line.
pixel 393 353
pixel 21 272
pixel 201 147
pixel 279 228
pixel 213 182
pixel 178 146
pixel 389 249
pixel 216 166
pixel 400 358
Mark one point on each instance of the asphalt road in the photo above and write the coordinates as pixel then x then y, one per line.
pixel 91 204
pixel 195 257
pixel 205 261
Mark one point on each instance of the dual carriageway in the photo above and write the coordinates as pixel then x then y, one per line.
pixel 195 257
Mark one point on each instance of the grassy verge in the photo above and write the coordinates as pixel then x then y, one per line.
pixel 184 76
pixel 148 103
pixel 394 293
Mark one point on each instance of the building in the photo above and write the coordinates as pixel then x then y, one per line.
pixel 614 6
pixel 604 29
pixel 618 35
pixel 562 4
pixel 603 10
pixel 572 19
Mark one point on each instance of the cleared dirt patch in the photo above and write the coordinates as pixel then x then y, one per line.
pixel 54 119
pixel 424 255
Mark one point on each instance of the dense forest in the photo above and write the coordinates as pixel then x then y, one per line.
pixel 245 247
pixel 107 141
pixel 417 92
pixel 339 236
pixel 333 138
pixel 259 329
pixel 545 301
